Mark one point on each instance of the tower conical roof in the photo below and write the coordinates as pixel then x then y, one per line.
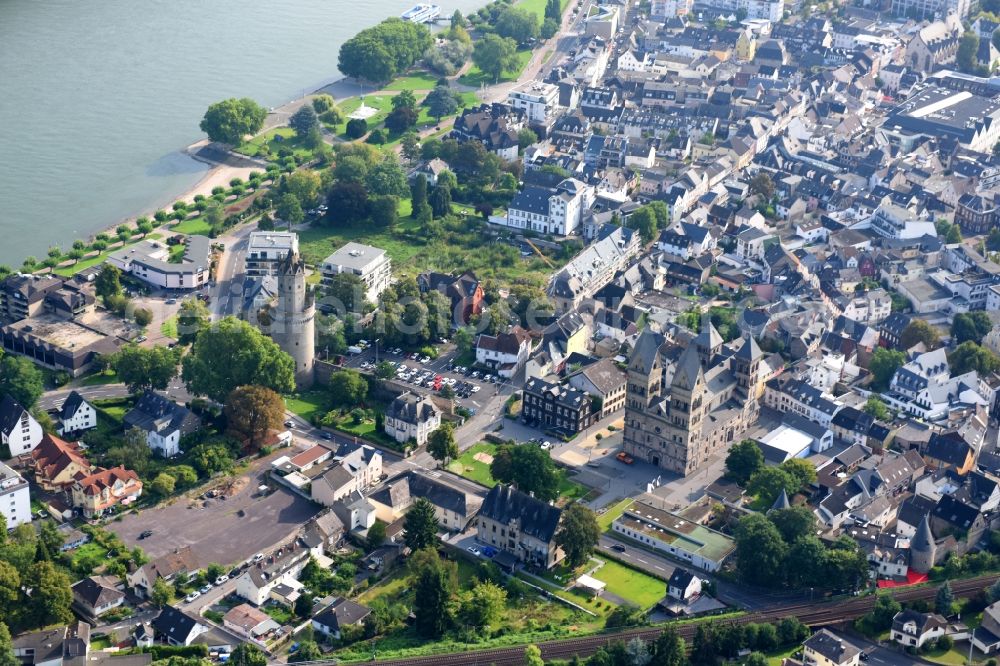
pixel 782 502
pixel 709 337
pixel 749 350
pixel 924 538
pixel 688 369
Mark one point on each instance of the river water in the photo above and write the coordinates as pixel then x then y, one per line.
pixel 98 96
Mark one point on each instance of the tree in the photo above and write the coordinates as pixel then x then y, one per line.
pixel 760 550
pixel 803 471
pixel 304 121
pixel 380 52
pixel 232 119
pixel 51 595
pixel 441 102
pixel 441 443
pixel 347 202
pixel 526 137
pixel 969 356
pixel 418 192
pixel 549 28
pixel 376 536
pixel 643 220
pixel 704 651
pixel 768 482
pixel 533 656
pixel 440 200
pixel 433 589
pixel 968 46
pixel 348 388
pixel 743 460
pixel 356 128
pixel 233 353
pixel 877 409
pixel 210 459
pixel 251 411
pixel 553 10
pixel 162 593
pixel 484 605
pixel 401 119
pixel 387 178
pixel 970 327
pixel 494 55
pixel 762 185
pixel 880 617
pixel 668 649
pixel 7 657
pixel 192 317
pixel 578 534
pixel 919 331
pixel 944 599
pixel 794 522
pixel 248 654
pixel 308 650
pixel 108 281
pixel 954 235
pixel 409 146
pixel 21 379
pixel 420 526
pixel 517 24
pixel 10 583
pixel 289 209
pixel 163 485
pixel 306 185
pixel 404 99
pixel 883 366
pixel 143 368
pixel 529 468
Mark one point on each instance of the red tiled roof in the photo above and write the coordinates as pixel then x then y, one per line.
pixel 106 478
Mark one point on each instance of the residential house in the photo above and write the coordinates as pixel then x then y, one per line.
pixel 163 421
pixel 683 585
pixel 249 622
pixel 55 646
pixel 99 492
pixel 261 581
pixel 371 265
pixel 167 567
pixel 266 250
pixel 152 261
pixel 605 382
pixel 913 629
pixel 986 637
pixel 950 450
pixel 341 613
pixel 19 431
pixel 356 468
pixel 455 501
pixel 554 210
pixel 825 648
pixel 15 498
pixel 503 353
pixel 175 627
pixel 554 407
pixel 412 417
pixel 58 463
pixel 521 527
pixel 76 415
pixel 493 125
pixel 96 595
pixel 464 291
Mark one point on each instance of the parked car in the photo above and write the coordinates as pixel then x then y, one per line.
pixel 625 458
pixel 145 534
pixel 206 588
pixel 618 547
pixel 221 579
pixel 191 597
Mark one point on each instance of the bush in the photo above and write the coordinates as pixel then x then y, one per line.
pixel 377 137
pixel 356 128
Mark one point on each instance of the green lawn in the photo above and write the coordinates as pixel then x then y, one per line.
pixel 279 614
pixel 642 590
pixel 169 327
pixel 775 657
pixel 470 468
pixel 381 102
pixel 73 269
pixel 415 81
pixel 275 139
pixel 100 378
pixel 479 471
pixel 953 657
pixel 469 100
pixel 193 226
pixel 608 517
pixel 308 404
pixel 475 76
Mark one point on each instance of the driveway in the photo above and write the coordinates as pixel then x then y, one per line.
pixel 214 529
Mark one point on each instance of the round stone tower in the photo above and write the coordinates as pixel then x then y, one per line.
pixel 923 550
pixel 293 326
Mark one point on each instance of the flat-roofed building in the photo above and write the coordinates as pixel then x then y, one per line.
pixel 58 343
pixel 686 540
pixel 370 264
pixel 936 112
pixel 267 249
pixel 153 262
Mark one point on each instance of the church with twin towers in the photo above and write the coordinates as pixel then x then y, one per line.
pixel 683 405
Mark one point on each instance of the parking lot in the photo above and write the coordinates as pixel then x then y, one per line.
pixel 426 375
pixel 224 531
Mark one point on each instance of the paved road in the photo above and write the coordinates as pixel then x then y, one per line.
pixel 226 295
pixel 55 399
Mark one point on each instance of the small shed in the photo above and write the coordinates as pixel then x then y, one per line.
pixel 591 584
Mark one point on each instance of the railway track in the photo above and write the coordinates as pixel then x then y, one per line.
pixel 814 614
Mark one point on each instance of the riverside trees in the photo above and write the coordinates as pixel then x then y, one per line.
pixel 232 119
pixel 381 52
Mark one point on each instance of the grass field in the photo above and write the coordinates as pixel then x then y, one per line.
pixel 475 76
pixel 100 378
pixel 193 226
pixel 608 517
pixel 308 404
pixel 479 471
pixel 67 271
pixel 642 590
pixel 274 139
pixel 415 81
pixel 169 327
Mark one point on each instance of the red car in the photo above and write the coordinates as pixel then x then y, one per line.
pixel 625 458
